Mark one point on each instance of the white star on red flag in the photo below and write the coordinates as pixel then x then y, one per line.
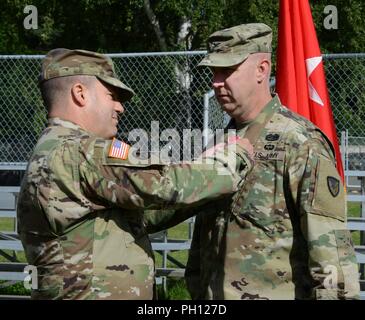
pixel 300 79
pixel 312 64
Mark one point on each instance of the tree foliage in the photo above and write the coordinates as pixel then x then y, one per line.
pixel 125 25
pixel 157 25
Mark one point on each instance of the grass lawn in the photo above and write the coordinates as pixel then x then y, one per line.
pixel 176 288
pixel 7 224
pixel 354 210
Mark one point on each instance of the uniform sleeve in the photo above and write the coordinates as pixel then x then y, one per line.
pixel 158 220
pixel 320 200
pixel 132 186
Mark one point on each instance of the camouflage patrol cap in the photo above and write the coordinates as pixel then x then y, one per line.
pixel 232 46
pixel 65 62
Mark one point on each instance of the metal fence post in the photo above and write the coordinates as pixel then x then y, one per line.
pixel 206 126
pixel 343 151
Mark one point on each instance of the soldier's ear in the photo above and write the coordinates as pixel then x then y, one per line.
pixel 79 94
pixel 263 70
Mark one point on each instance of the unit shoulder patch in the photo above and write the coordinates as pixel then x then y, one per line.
pixel 333 186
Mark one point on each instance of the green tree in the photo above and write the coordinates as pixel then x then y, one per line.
pixel 159 25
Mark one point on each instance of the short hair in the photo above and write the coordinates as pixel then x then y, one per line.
pixel 55 89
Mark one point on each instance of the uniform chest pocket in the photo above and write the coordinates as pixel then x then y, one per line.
pixel 131 228
pixel 114 227
pixel 260 202
pixel 115 239
pixel 135 234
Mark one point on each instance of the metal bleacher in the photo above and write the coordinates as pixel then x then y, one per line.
pixel 357 224
pixel 9 240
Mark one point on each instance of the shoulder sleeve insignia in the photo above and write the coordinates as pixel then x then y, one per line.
pixel 333 185
pixel 118 149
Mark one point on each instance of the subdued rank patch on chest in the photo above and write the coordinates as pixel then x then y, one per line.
pixel 118 149
pixel 333 186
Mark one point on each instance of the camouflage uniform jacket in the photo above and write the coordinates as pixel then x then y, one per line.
pixel 80 213
pixel 283 235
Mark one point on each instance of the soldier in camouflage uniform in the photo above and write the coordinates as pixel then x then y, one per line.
pixel 283 235
pixel 80 209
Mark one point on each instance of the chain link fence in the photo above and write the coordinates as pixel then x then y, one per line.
pixel 345 74
pixel 345 79
pixel 170 89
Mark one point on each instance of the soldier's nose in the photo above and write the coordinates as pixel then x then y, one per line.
pixel 119 107
pixel 218 80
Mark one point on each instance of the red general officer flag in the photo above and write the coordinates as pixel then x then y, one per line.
pixel 300 78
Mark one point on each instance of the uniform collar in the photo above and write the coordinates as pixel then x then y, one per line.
pixel 63 123
pixel 271 107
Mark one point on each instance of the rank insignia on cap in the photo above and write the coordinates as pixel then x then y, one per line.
pixel 118 149
pixel 333 185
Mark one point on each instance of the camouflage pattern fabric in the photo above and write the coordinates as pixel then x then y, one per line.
pixel 283 235
pixel 63 62
pixel 80 213
pixel 229 47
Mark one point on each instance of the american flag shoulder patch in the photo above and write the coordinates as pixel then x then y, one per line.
pixel 118 149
